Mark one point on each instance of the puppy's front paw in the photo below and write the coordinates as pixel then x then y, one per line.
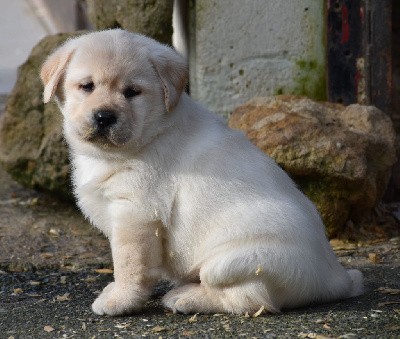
pixel 117 301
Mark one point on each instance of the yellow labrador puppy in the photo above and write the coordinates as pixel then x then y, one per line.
pixel 178 193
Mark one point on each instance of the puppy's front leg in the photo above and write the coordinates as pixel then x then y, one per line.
pixel 136 252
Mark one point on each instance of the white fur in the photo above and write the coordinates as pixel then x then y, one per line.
pixel 183 196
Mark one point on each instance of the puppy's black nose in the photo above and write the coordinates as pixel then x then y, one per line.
pixel 105 119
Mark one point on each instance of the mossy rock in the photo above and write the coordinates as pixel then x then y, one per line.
pixel 152 18
pixel 340 157
pixel 32 147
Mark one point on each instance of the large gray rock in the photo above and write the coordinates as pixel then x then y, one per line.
pixel 32 148
pixel 152 18
pixel 341 157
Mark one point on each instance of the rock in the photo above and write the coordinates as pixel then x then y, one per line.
pixel 152 18
pixel 32 148
pixel 341 157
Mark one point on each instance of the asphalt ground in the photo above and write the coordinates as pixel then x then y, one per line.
pixel 53 264
pixel 56 304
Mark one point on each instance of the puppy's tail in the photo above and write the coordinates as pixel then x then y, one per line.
pixel 357 283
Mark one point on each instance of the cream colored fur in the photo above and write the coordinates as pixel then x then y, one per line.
pixel 179 194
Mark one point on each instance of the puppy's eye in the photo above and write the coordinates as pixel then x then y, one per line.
pixel 88 87
pixel 130 92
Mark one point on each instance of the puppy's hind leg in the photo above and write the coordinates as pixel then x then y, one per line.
pixel 228 284
pixel 194 298
pixel 203 298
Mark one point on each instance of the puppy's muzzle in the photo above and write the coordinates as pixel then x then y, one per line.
pixel 104 120
pixel 106 128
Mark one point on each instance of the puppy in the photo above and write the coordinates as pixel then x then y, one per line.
pixel 178 193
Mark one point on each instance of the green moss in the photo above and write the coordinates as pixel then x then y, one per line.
pixel 331 202
pixel 333 198
pixel 309 73
pixel 310 79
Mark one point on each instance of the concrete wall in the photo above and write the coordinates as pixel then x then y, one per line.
pixel 245 48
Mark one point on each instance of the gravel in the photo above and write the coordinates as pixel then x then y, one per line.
pixel 56 303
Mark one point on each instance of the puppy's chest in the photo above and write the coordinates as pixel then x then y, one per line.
pixel 93 194
pixel 98 187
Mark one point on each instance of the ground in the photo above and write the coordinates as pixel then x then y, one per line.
pixel 53 264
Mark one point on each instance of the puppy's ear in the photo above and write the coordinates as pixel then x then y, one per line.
pixel 53 69
pixel 172 69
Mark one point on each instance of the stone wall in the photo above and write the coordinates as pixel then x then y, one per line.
pixel 241 49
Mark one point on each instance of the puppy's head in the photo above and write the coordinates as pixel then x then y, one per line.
pixel 114 88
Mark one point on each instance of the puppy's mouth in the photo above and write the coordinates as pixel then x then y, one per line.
pixel 94 134
pixel 105 130
pixel 103 137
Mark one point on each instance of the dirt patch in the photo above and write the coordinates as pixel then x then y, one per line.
pixel 37 230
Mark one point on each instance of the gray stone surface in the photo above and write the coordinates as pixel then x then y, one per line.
pixel 242 49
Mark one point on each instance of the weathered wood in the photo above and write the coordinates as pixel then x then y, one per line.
pixel 359 52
